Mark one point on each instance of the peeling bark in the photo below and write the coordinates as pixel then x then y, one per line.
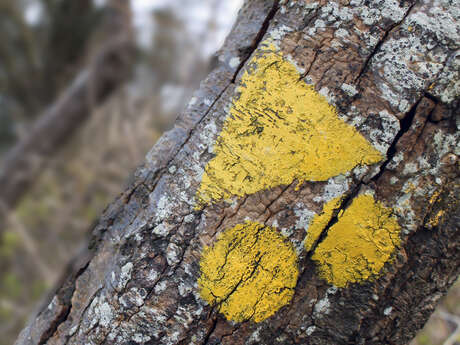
pixel 391 72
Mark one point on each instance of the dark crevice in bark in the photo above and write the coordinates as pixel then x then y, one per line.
pixel 55 324
pixel 62 317
pixel 405 125
pixel 283 190
pixel 257 39
pixel 335 217
pixel 211 331
pixel 432 97
pixel 380 43
pixel 236 328
pixel 303 75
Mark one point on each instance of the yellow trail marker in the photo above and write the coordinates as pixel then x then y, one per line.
pixel 359 244
pixel 249 273
pixel 279 129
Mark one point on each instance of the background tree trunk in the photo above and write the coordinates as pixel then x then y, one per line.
pixel 108 69
pixel 391 71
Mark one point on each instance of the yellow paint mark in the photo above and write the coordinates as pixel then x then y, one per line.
pixel 279 129
pixel 358 245
pixel 434 220
pixel 249 273
pixel 435 197
pixel 320 221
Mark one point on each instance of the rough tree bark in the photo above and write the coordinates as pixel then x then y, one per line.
pixel 365 223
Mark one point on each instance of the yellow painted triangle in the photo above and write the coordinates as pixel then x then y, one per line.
pixel 279 130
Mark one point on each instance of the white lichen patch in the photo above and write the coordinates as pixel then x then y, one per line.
pixel 446 143
pixel 342 34
pixel 403 209
pixel 184 288
pixel 100 312
pixel 447 87
pixel 162 229
pixel 73 330
pixel 160 287
pixel 132 297
pixel 329 95
pixel 321 307
pixel 52 303
pixel 141 338
pixel 382 136
pixel 255 337
pixel 334 188
pixel 304 216
pixel 189 218
pixel 310 330
pixel 192 101
pixel 387 311
pixel 234 62
pixel 353 117
pixel 413 189
pixel 410 168
pixel 162 208
pixel 278 33
pixel 125 275
pixel 105 314
pixel 441 19
pixel 173 254
pixel 152 275
pixel 396 160
pixel 350 90
pixel 208 136
pixel 413 61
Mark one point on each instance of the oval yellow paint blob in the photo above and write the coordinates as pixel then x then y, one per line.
pixel 279 129
pixel 249 273
pixel 359 244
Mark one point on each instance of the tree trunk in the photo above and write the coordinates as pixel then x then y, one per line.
pixel 309 194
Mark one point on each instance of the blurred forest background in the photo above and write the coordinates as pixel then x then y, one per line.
pixel 86 88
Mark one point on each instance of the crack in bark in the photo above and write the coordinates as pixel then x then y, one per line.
pixel 88 305
pixel 315 56
pixel 253 47
pixel 258 38
pixel 211 331
pixel 62 317
pixel 380 43
pixel 335 217
pixel 405 125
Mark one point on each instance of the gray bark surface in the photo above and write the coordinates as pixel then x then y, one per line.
pixel 389 68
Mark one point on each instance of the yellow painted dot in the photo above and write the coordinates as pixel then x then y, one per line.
pixel 279 129
pixel 359 244
pixel 249 273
